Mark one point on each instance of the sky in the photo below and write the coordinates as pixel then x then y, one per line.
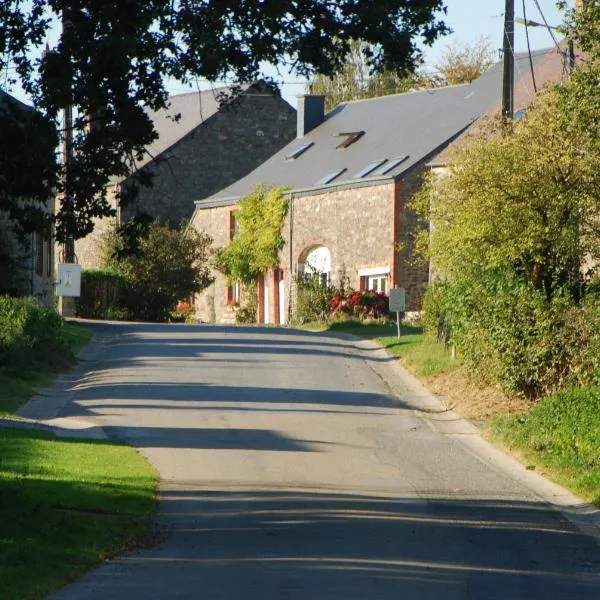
pixel 471 20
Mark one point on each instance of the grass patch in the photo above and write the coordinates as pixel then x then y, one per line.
pixel 423 355
pixel 560 434
pixel 65 505
pixel 18 384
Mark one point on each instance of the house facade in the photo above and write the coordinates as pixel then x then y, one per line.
pixel 206 141
pixel 26 260
pixel 351 174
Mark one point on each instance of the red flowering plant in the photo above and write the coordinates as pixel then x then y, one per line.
pixel 183 312
pixel 359 303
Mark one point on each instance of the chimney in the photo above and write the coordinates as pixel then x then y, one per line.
pixel 311 113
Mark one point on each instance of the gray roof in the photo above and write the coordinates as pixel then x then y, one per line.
pixel 194 109
pixel 412 126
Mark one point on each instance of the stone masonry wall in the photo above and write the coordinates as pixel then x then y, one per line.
pixel 360 226
pixel 223 149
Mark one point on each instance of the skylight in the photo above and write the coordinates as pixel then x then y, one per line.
pixel 369 168
pixel 351 137
pixel 391 165
pixel 298 151
pixel 330 177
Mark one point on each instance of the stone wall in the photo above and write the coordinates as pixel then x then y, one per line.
pixel 360 226
pixel 223 149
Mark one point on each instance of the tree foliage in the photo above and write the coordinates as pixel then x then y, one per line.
pixel 462 64
pixel 356 81
pixel 111 60
pixel 258 240
pixel 526 202
pixel 165 265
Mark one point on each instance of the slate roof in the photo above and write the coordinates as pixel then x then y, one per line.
pixel 415 125
pixel 194 109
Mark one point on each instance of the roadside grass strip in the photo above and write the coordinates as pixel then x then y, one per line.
pixel 560 435
pixel 19 382
pixel 65 505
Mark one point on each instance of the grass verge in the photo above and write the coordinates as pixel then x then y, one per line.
pixel 64 506
pixel 17 385
pixel 559 435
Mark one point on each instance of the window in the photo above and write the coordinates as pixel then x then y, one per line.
pixel 234 293
pixel 48 257
pixel 233 225
pixel 392 164
pixel 39 254
pixel 330 177
pixel 374 279
pixel 349 138
pixel 369 168
pixel 299 151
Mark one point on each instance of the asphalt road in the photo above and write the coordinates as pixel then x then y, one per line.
pixel 291 470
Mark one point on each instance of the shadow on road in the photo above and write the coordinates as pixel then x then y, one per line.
pixel 286 544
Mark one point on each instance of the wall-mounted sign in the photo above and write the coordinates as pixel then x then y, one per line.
pixel 69 280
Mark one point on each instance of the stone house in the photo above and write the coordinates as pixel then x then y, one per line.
pixel 206 141
pixel 26 262
pixel 351 174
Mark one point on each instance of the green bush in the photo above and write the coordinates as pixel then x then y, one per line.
pixel 30 332
pixel 509 334
pixel 312 299
pixel 101 293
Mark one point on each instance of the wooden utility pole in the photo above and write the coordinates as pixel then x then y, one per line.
pixel 508 81
pixel 66 303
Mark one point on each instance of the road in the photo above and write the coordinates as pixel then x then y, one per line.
pixel 297 465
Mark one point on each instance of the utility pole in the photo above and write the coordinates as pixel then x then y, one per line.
pixel 67 303
pixel 508 80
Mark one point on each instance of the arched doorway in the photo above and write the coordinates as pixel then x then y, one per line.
pixel 316 262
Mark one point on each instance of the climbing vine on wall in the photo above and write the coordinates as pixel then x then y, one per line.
pixel 257 241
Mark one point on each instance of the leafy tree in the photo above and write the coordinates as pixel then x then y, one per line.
pixel 256 245
pixel 111 60
pixel 355 80
pixel 462 64
pixel 525 203
pixel 167 265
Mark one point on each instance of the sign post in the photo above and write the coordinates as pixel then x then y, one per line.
pixel 69 280
pixel 397 304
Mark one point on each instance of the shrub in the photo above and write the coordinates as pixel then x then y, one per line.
pixel 361 304
pixel 159 267
pixel 510 334
pixel 30 332
pixel 101 292
pixel 312 299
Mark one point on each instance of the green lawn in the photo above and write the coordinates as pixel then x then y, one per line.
pixel 64 506
pixel 17 385
pixel 560 435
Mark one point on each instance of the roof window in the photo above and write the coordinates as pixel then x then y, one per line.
pixel 330 177
pixel 299 151
pixel 392 164
pixel 369 168
pixel 350 138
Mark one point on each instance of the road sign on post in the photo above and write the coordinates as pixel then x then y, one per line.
pixel 69 280
pixel 397 304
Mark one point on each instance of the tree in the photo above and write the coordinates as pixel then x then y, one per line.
pixel 355 80
pixel 111 60
pixel 462 64
pixel 162 266
pixel 526 203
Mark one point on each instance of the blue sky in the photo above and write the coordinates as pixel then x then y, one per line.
pixel 471 20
